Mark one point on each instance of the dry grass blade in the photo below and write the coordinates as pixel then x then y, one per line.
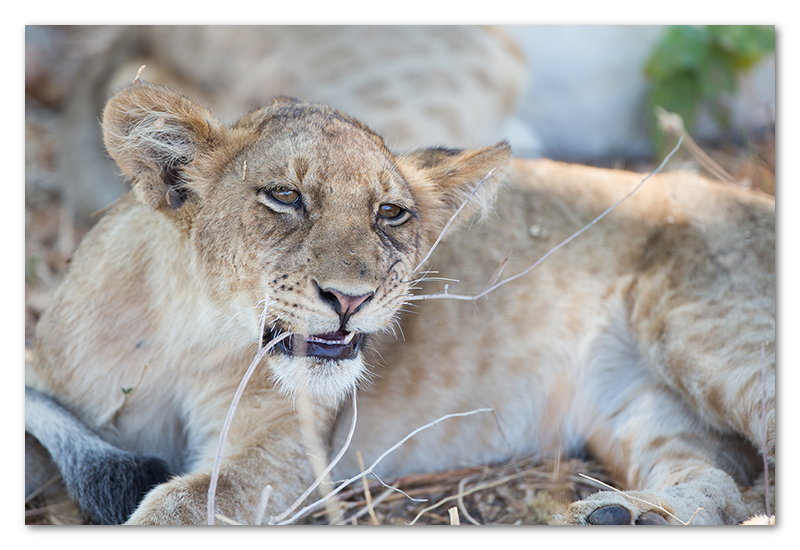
pixel 42 488
pixel 378 461
pixel 453 512
pixel 497 273
pixel 672 123
pixel 50 508
pixel 212 486
pixel 326 471
pixel 226 519
pixel 262 504
pixel 461 504
pixel 471 490
pixel 368 509
pixel 367 495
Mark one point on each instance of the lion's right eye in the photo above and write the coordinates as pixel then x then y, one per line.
pixel 285 196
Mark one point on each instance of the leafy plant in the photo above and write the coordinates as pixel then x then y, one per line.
pixel 698 65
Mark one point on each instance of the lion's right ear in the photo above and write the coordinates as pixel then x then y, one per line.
pixel 154 134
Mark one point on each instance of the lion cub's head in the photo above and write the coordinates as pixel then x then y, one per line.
pixel 300 207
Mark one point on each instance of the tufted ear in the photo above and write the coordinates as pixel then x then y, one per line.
pixel 154 134
pixel 442 179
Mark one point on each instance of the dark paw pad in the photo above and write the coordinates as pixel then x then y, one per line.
pixel 610 515
pixel 651 518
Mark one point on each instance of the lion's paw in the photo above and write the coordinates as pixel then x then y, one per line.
pixel 180 501
pixel 611 508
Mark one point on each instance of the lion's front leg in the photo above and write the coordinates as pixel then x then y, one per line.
pixel 184 500
pixel 676 467
pixel 266 445
pixel 709 499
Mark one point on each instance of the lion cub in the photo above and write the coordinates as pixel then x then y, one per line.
pixel 640 341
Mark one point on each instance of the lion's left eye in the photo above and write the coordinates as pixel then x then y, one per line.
pixel 391 212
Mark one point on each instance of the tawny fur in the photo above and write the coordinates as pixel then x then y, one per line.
pixel 640 341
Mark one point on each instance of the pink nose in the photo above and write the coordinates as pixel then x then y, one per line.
pixel 348 304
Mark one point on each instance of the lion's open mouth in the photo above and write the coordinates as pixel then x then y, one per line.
pixel 336 346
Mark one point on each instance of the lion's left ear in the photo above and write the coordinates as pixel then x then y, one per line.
pixel 442 179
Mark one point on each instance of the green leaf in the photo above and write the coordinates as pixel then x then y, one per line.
pixel 682 48
pixel 693 65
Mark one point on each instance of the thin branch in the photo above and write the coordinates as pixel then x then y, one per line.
pixel 461 504
pixel 42 488
pixel 262 505
pixel 471 490
pixel 212 486
pixel 454 516
pixel 380 498
pixel 377 461
pixel 672 123
pixel 226 519
pixel 326 471
pixel 558 247
pixel 397 489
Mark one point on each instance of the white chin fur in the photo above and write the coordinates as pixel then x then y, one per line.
pixel 323 380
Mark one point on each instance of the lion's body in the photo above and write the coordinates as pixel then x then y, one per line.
pixel 640 340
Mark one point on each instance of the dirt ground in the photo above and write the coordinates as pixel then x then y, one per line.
pixel 525 492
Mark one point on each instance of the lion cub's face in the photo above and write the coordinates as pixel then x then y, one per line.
pixel 298 207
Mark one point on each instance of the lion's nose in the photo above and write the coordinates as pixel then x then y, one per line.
pixel 344 304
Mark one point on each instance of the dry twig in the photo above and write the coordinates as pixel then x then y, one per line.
pixel 461 504
pixel 212 486
pixel 551 251
pixel 377 461
pixel 42 488
pixel 367 494
pixel 453 516
pixel 672 123
pixel 471 490
pixel 262 505
pixel 325 472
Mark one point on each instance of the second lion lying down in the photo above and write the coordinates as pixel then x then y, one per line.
pixel 640 341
